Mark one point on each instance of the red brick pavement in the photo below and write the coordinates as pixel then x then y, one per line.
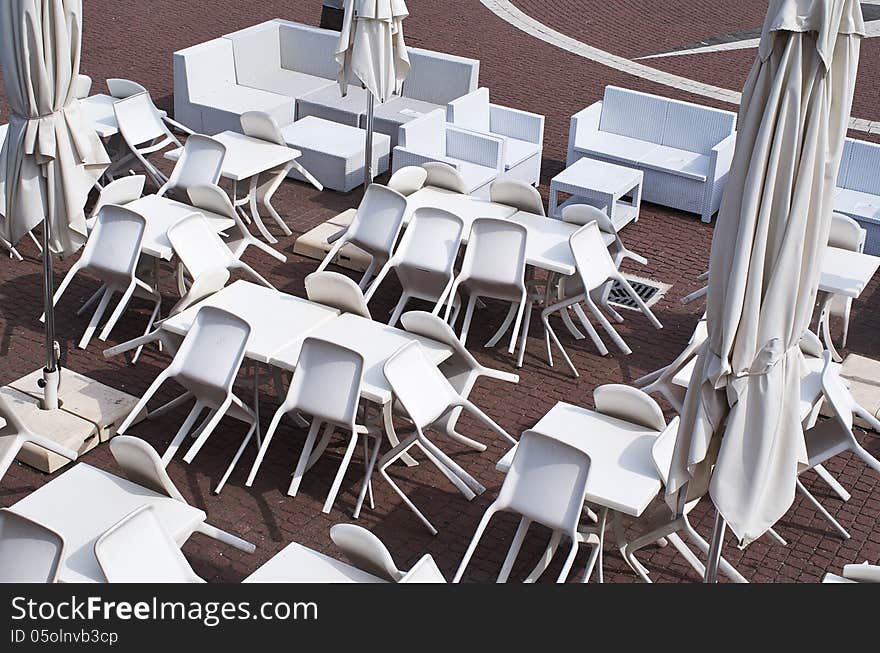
pixel 676 245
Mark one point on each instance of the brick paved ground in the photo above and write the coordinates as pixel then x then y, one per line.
pixel 136 41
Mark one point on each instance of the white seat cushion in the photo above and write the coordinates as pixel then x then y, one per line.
pixel 329 104
pixel 475 175
pixel 615 146
pixel 291 83
pixel 517 151
pixel 856 203
pixel 684 163
pixel 238 99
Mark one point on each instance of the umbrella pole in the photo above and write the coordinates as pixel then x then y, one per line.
pixel 50 372
pixel 368 153
pixel 715 548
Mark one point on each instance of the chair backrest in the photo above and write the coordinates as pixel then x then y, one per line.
pixel 138 550
pixel 629 404
pixel 200 163
pixel 518 194
pixel 408 180
pixel 664 447
pixel 547 482
pixel 198 246
pixel 496 252
pixel 439 78
pixel 141 464
pixel 425 134
pixel 861 169
pixel 308 49
pixel 443 175
pixel 211 353
pixel 471 111
pixel 29 551
pixel 114 244
pixel 696 128
pixel 365 551
pixel 378 220
pixel 120 191
pixel 420 387
pixel 259 124
pixel 594 263
pixel 431 240
pixel 837 394
pixel 582 214
pixel 327 382
pixel 83 86
pixel 619 105
pixel 846 233
pixel 140 124
pixel 337 290
pixel 123 88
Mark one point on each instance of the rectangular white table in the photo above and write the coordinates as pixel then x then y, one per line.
pixel 84 502
pixel 276 318
pixel 99 109
pixel 844 273
pixel 601 184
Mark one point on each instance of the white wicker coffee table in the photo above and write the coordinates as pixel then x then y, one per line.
pixel 604 185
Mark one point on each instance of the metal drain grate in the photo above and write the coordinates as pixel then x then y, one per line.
pixel 649 290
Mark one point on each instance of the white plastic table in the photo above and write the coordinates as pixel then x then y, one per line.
pixel 276 318
pixel 161 214
pixel 844 273
pixel 296 563
pixel 246 159
pixel 99 109
pixel 622 475
pixel 601 184
pixel 83 502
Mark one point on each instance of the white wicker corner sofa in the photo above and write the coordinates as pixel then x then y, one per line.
pixel 683 149
pixel 288 70
pixel 858 189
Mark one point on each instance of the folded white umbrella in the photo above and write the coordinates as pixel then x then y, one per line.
pixel 52 156
pixel 371 49
pixel 741 410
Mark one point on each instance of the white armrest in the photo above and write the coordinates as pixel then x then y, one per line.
pixel 722 156
pixel 584 124
pixel 515 123
pixel 407 157
pixel 482 149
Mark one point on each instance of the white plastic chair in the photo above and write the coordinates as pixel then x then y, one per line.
pixel 547 484
pixel 374 228
pixel 494 265
pixel 200 250
pixel 833 436
pixel 595 268
pixel 200 162
pixel 338 291
pixel 30 552
pixel 326 385
pixel 111 255
pixel 119 192
pixel 206 365
pixel 123 88
pixel 847 234
pixel 461 369
pixel 141 465
pixel 443 175
pixel 660 381
pixel 518 194
pixel 366 551
pixel 583 214
pixel 83 86
pixel 426 397
pixel 423 261
pixel 408 180
pixel 144 131
pixel 15 434
pixel 213 199
pixel 138 550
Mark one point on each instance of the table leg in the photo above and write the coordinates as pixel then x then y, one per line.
pixel 255 212
pixel 388 419
pixel 553 201
pixel 825 326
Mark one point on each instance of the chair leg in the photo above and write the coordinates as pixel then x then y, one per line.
pixel 386 461
pixel 182 432
pixel 548 334
pixel 545 559
pixel 513 551
pixel 207 430
pixel 303 458
pixel 117 312
pixel 517 324
pixel 244 443
pixel 368 474
pixel 340 473
pixel 610 330
pixel 319 449
pixel 505 325
pixel 569 324
pixel 822 511
pixel 92 300
pixel 227 538
pixel 368 274
pixel 468 315
pixel 525 334
pixel 475 540
pixel 398 309
pixel 455 474
pixel 641 304
pixel 264 446
pixel 590 329
pixel 96 318
pixel 832 482
pixel 723 565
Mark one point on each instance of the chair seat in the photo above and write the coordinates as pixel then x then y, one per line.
pixel 615 146
pixel 683 163
pixel 291 83
pixel 517 151
pixel 857 204
pixel 239 99
pixel 327 102
pixel 475 175
pixel 824 441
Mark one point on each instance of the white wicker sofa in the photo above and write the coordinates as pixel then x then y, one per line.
pixel 479 158
pixel 858 189
pixel 683 149
pixel 521 131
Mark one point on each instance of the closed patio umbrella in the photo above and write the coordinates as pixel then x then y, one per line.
pixel 741 409
pixel 371 48
pixel 52 156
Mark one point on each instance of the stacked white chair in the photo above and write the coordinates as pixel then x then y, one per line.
pixel 546 484
pixel 443 176
pixel 423 261
pixel 374 229
pixel 338 291
pixel 123 88
pixel 408 180
pixel 518 194
pixel 144 132
pixel 201 162
pixel 119 192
